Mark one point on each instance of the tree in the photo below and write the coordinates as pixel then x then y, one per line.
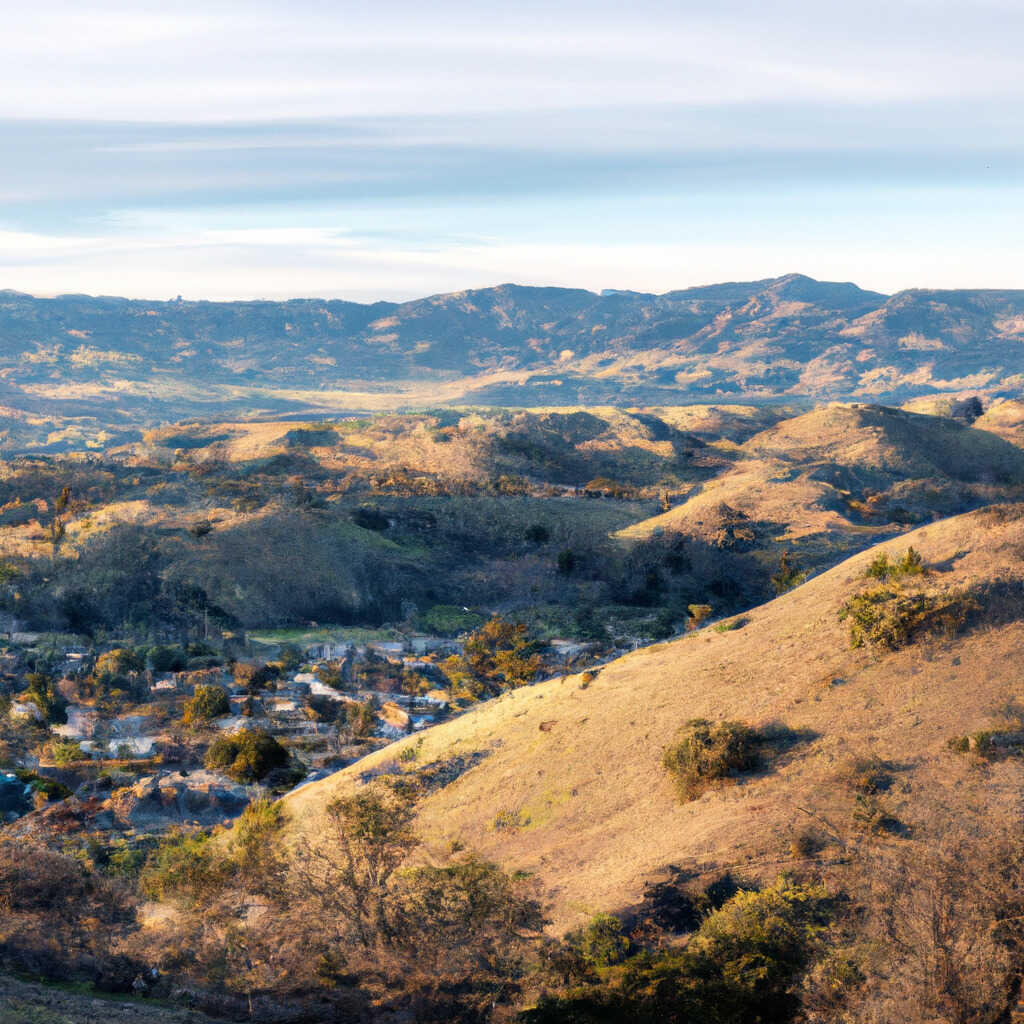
pixel 566 561
pixel 207 703
pixel 967 409
pixel 497 656
pixel 118 662
pixel 369 835
pixel 246 756
pixel 361 718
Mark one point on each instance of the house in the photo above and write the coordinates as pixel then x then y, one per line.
pixel 388 649
pixel 318 689
pixel 328 651
pixel 567 650
pixel 422 644
pixel 26 709
pixel 164 684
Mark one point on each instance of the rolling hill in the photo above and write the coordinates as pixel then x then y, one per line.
pixel 842 476
pixel 568 783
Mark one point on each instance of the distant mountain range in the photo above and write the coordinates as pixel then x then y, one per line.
pixel 124 363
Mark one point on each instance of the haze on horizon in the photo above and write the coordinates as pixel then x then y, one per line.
pixel 346 150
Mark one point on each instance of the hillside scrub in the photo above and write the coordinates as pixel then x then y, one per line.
pixel 352 922
pixel 705 754
pixel 884 568
pixel 742 964
pixel 890 617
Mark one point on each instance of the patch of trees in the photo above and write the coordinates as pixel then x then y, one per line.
pixel 742 964
pixel 496 657
pixel 207 703
pixel 248 755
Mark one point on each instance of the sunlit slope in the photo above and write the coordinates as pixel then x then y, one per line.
pixel 854 470
pixel 575 774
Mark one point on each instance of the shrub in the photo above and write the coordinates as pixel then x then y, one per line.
pixel 538 533
pixel 789 575
pixel 911 564
pixel 184 866
pixel 246 756
pixel 509 818
pixel 207 703
pixel 698 613
pixel 871 815
pixel 869 776
pixel 371 519
pixel 805 844
pixel 730 624
pixel 742 965
pixel 66 751
pixel 706 753
pixel 49 788
pixel 889 617
pixel 601 942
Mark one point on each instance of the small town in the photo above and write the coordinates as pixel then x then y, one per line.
pixel 123 744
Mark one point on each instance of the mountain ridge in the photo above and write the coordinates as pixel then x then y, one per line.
pixel 108 363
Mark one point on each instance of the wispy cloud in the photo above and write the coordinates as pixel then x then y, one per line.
pixel 258 148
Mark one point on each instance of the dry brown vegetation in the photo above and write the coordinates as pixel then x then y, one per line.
pixel 601 815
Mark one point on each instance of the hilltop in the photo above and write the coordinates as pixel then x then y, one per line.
pixel 841 476
pixel 568 783
pixel 79 371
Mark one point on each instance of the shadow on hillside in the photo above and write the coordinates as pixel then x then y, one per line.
pixel 677 904
pixel 779 745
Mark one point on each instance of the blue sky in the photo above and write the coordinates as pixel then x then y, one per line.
pixel 391 150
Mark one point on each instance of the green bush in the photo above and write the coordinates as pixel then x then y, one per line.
pixel 911 564
pixel 50 788
pixel 246 756
pixel 66 751
pixel 207 703
pixel 890 617
pixel 742 966
pixel 601 942
pixel 184 866
pixel 706 753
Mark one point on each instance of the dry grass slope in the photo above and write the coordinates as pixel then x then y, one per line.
pixel 574 773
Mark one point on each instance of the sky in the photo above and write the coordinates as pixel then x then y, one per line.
pixel 391 150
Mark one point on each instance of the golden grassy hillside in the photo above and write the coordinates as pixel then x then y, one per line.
pixel 575 773
pixel 843 474
pixel 1005 419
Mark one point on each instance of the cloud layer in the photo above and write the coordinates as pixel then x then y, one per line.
pixel 390 150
